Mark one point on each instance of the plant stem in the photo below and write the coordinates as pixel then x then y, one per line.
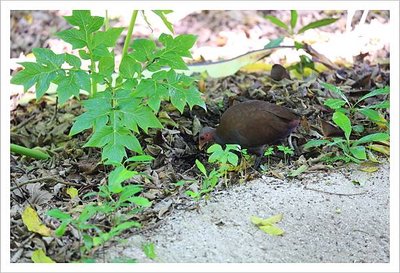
pixel 93 69
pixel 28 152
pixel 106 22
pixel 129 34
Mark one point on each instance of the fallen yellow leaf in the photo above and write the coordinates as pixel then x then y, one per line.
pixel 369 169
pixel 38 256
pixel 33 223
pixel 72 192
pixel 380 148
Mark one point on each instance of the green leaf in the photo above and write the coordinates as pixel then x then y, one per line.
pixel 372 138
pixel 143 49
pixel 336 90
pixel 201 167
pixel 106 65
pixel 277 22
pixel 334 103
pixel 39 256
pixel 70 85
pixel 317 24
pixel 373 115
pixel 343 122
pixel 293 18
pixel 107 38
pixel 315 143
pixel 117 176
pixel 358 152
pixel 382 105
pixel 274 43
pixel 73 61
pixel 62 228
pixel 376 92
pixel 139 201
pixel 233 159
pixel 129 67
pixel 149 251
pixel 58 214
pixel 135 114
pixel 86 23
pixel 47 57
pixel 74 37
pixel 140 158
pixel 37 74
pixel 161 14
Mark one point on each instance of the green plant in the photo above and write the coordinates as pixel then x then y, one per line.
pixel 268 152
pixel 290 28
pixel 354 149
pixel 120 105
pixel 209 181
pixel 112 199
pixel 226 160
pixel 130 98
pixel 287 152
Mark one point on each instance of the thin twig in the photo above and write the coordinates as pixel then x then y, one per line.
pixel 335 193
pixel 42 179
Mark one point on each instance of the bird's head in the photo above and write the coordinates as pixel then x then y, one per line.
pixel 207 135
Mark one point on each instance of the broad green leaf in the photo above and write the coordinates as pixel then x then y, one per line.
pixel 47 57
pixel 317 24
pixel 117 176
pixel 135 114
pixel 71 84
pixel 233 159
pixel 201 167
pixel 293 18
pixel 74 37
pixel 140 158
pixel 143 50
pixel 274 43
pixel 58 214
pixel 214 148
pixel 334 103
pixel 107 38
pixel 381 105
pixel 106 65
pixel 372 138
pixel 277 22
pixel 39 256
pixel 140 201
pixel 121 227
pixel 129 191
pixel 34 73
pixel 154 90
pixel 73 61
pixel 373 115
pixel 86 23
pixel 161 14
pixel 32 221
pixel 129 67
pixel 358 152
pixel 343 122
pixel 376 92
pixel 315 143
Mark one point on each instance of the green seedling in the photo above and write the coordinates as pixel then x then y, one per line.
pixel 287 152
pixel 353 149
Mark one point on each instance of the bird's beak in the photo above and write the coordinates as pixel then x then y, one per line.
pixel 201 145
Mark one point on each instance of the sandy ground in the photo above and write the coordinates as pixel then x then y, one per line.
pixel 327 218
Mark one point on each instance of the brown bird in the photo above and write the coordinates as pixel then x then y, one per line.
pixel 251 124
